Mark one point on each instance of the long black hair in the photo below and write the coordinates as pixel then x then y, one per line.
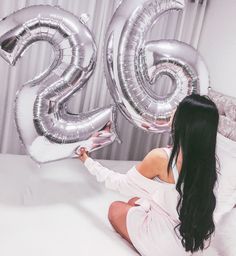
pixel 194 132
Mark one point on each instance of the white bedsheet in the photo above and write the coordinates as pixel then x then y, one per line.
pixel 60 210
pixel 56 210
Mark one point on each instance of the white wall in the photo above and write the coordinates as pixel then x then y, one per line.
pixel 218 44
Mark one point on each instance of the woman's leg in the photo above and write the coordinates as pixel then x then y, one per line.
pixel 117 217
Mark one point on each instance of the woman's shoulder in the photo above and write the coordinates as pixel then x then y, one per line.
pixel 159 153
pixel 153 163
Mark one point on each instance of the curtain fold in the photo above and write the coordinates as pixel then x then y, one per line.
pixel 135 142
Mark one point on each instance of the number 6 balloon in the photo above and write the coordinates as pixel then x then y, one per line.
pixel 47 129
pixel 132 65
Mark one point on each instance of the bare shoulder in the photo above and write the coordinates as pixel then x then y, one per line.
pixel 153 163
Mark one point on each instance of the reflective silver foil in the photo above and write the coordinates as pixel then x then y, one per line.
pixel 46 127
pixel 133 65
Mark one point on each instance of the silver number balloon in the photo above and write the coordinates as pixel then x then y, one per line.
pixel 133 65
pixel 48 130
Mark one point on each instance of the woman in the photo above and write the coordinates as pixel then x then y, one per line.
pixel 173 211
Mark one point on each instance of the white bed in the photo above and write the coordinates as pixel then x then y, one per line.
pixel 58 209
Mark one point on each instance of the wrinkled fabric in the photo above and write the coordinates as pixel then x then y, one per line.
pixel 151 224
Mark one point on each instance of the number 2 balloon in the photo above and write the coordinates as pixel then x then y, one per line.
pixel 47 129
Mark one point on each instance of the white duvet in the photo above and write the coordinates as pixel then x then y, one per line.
pixel 61 210
pixel 56 210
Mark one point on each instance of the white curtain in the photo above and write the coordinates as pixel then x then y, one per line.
pixel 135 142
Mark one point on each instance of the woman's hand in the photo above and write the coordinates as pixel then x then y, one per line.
pixel 83 154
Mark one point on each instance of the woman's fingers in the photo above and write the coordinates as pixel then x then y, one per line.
pixel 82 150
pixel 82 154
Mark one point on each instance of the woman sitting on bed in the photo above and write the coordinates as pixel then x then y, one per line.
pixel 173 188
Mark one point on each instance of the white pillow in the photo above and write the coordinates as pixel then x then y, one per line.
pixel 225 239
pixel 225 189
pixel 226 145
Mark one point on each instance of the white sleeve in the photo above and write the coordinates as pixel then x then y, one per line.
pixel 132 183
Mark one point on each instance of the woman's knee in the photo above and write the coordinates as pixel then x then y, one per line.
pixel 117 216
pixel 113 210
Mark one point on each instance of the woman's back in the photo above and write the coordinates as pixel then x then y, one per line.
pixel 164 198
pixel 151 226
pixel 166 177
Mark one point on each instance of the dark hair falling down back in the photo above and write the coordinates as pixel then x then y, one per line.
pixel 194 132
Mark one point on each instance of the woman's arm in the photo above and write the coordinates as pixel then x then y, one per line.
pixel 136 182
pixel 112 180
